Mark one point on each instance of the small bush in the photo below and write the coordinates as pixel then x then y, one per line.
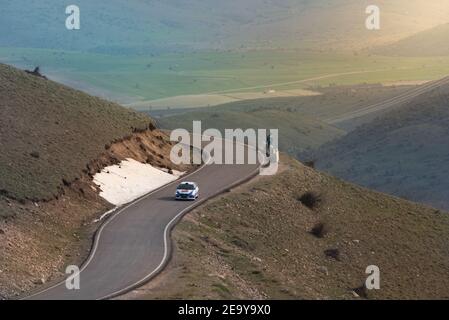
pixel 311 200
pixel 332 253
pixel 241 243
pixel 319 230
pixel 36 72
pixel 35 154
pixel 310 164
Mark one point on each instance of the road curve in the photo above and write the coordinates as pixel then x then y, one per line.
pixel 134 244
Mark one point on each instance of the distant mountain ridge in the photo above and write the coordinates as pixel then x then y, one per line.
pixel 151 26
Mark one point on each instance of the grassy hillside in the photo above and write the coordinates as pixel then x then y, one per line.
pixel 404 152
pixel 299 119
pixel 256 243
pixel 296 131
pixel 431 42
pixel 50 132
pixel 53 140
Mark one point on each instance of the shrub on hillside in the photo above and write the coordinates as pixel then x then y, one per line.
pixel 332 253
pixel 310 164
pixel 35 154
pixel 151 126
pixel 36 72
pixel 310 199
pixel 319 230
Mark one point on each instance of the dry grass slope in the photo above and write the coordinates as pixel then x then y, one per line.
pixel 403 152
pixel 49 132
pixel 257 243
pixel 53 140
pixel 431 42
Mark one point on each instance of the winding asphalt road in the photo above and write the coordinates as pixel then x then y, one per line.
pixel 133 245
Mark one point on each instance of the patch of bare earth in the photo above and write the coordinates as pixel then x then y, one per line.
pixel 266 240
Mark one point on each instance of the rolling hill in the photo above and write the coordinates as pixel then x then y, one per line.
pixel 43 129
pixel 261 242
pixel 54 139
pixel 144 26
pixel 242 240
pixel 431 42
pixel 403 152
pixel 300 120
pixel 296 131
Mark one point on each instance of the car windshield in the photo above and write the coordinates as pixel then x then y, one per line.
pixel 186 186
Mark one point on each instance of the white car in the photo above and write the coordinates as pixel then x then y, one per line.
pixel 187 191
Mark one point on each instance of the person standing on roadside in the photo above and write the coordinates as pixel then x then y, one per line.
pixel 268 145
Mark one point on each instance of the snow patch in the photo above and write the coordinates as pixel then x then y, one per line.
pixel 129 180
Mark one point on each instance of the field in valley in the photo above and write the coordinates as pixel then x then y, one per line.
pixel 129 79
